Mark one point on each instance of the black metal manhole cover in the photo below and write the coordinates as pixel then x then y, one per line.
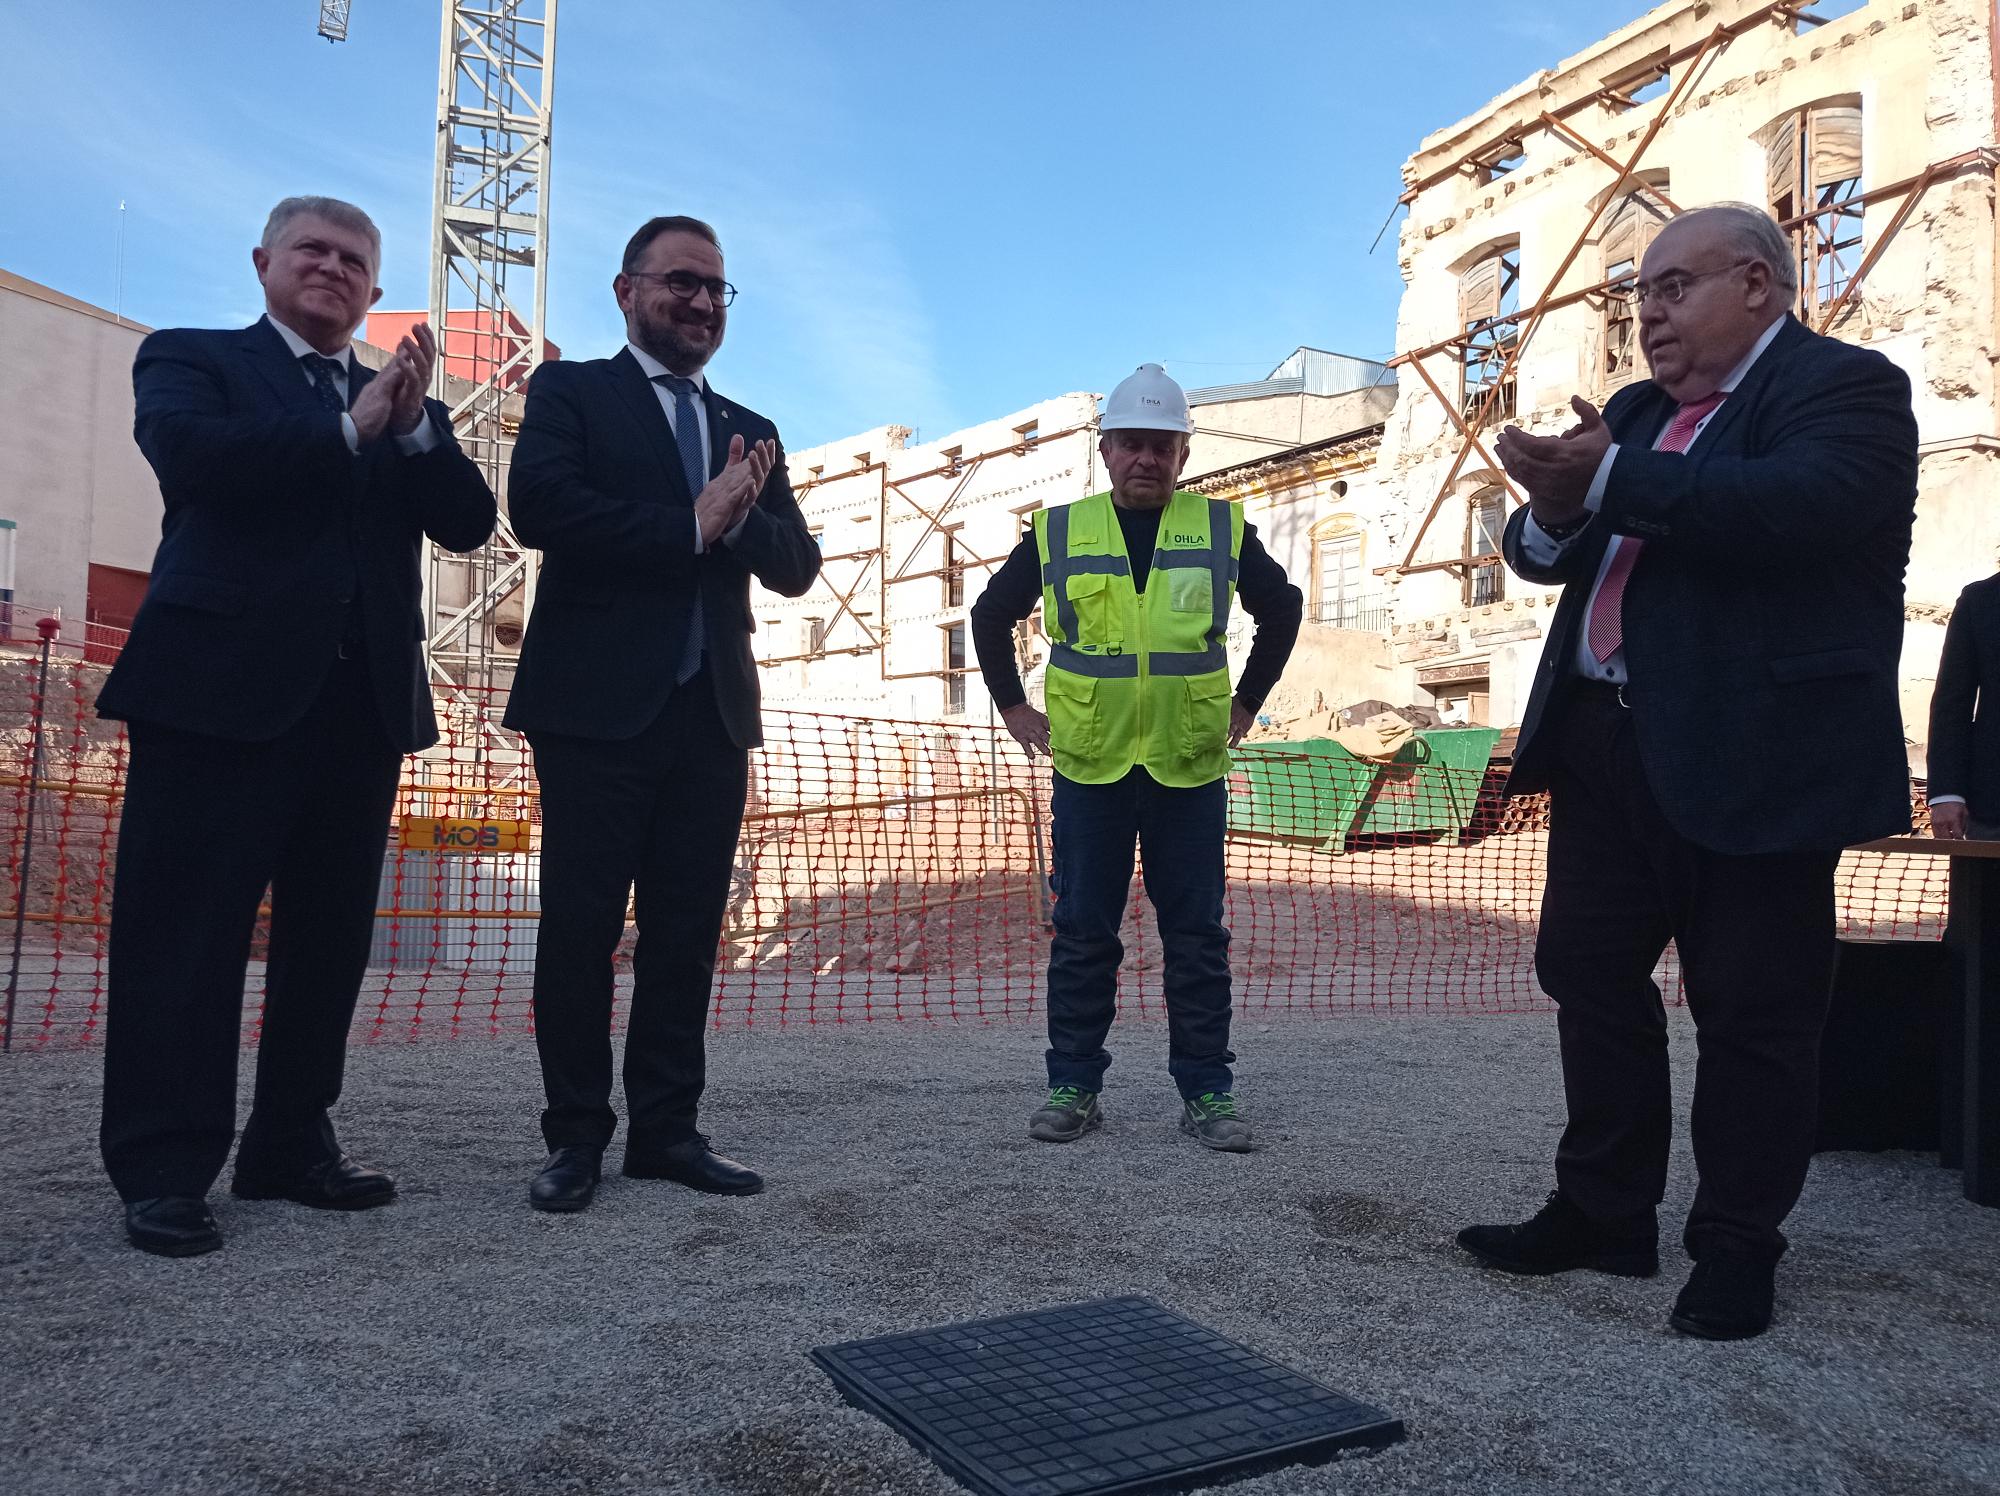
pixel 1113 1395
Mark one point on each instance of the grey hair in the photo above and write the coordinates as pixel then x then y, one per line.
pixel 1754 235
pixel 333 210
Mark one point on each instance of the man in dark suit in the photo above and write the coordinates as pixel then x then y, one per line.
pixel 654 501
pixel 1715 717
pixel 272 683
pixel 1964 751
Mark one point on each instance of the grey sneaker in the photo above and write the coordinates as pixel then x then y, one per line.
pixel 1066 1116
pixel 1212 1121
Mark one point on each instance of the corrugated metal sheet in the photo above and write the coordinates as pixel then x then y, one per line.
pixel 1327 373
pixel 1308 371
pixel 1255 390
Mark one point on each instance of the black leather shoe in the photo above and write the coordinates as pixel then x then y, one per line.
pixel 1728 1297
pixel 1559 1238
pixel 337 1184
pixel 568 1181
pixel 695 1165
pixel 172 1226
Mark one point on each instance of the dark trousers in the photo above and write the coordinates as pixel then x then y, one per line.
pixel 1756 942
pixel 1180 834
pixel 208 824
pixel 655 817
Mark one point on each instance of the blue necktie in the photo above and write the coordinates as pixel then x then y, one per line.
pixel 322 370
pixel 694 463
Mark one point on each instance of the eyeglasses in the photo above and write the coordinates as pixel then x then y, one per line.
pixel 1673 288
pixel 684 283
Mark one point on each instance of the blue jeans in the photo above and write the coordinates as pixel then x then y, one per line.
pixel 1180 833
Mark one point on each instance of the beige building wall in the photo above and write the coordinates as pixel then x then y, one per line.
pixel 1308 505
pixel 1923 78
pixel 71 477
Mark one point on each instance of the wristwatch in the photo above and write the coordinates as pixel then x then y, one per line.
pixel 1564 531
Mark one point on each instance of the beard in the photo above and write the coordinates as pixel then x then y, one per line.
pixel 684 347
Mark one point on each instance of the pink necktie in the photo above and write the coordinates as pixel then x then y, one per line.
pixel 1606 629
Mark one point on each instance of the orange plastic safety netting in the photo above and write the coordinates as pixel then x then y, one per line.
pixel 887 870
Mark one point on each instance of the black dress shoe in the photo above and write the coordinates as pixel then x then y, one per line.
pixel 172 1226
pixel 1728 1297
pixel 695 1165
pixel 568 1181
pixel 1559 1238
pixel 338 1183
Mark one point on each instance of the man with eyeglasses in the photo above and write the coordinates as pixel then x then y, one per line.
pixel 654 502
pixel 273 681
pixel 1715 717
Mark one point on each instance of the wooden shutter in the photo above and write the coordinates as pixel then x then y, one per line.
pixel 1833 147
pixel 1781 168
pixel 1479 292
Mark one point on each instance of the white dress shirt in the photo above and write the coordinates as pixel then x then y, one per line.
pixel 420 440
pixel 653 369
pixel 1545 549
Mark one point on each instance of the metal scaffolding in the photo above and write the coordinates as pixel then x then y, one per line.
pixel 872 562
pixel 489 238
pixel 1816 227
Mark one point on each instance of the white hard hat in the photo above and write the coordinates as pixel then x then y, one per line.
pixel 1147 400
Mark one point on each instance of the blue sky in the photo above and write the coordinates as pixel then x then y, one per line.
pixel 937 213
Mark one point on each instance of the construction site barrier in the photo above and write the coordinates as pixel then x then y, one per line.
pixel 888 870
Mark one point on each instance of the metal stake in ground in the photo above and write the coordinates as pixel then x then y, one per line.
pixel 48 628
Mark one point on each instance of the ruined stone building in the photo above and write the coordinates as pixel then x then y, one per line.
pixel 1869 129
pixel 1869 133
pixel 910 531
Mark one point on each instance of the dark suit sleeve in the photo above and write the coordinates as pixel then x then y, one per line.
pixel 1952 702
pixel 774 542
pixel 1839 461
pixel 1278 607
pixel 208 454
pixel 1009 597
pixel 444 491
pixel 1570 564
pixel 555 507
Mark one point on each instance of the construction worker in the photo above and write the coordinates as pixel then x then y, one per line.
pixel 1135 587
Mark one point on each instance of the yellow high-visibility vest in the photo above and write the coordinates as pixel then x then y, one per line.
pixel 1139 678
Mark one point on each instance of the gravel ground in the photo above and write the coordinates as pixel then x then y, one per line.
pixel 459 1342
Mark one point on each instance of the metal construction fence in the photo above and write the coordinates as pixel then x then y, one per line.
pixel 888 870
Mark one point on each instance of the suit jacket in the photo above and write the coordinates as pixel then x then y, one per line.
pixel 272 529
pixel 1764 618
pixel 1965 725
pixel 598 487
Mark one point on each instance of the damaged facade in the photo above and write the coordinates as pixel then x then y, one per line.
pixel 1871 135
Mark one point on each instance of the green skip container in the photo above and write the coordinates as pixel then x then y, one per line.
pixel 1317 791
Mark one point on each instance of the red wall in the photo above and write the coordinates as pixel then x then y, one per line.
pixel 471 346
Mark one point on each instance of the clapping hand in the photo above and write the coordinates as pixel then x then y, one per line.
pixel 416 357
pixel 394 399
pixel 732 493
pixel 1557 470
pixel 375 407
